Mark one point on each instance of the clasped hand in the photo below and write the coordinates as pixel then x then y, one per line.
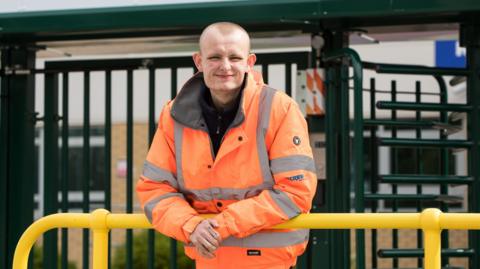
pixel 205 239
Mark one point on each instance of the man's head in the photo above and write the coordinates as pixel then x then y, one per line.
pixel 224 58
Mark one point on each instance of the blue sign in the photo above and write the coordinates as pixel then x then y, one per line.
pixel 448 53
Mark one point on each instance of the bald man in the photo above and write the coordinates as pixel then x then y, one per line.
pixel 230 146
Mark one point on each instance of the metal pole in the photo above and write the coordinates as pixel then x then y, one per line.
pixel 373 168
pixel 64 166
pixel 470 34
pixel 50 194
pixel 4 165
pixel 129 201
pixel 394 168
pixel 432 249
pixel 98 223
pixel 418 164
pixel 108 149
pixel 151 133
pixel 86 166
pixel 173 242
pixel 288 79
pixel 18 123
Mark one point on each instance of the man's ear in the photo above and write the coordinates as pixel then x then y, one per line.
pixel 197 59
pixel 251 60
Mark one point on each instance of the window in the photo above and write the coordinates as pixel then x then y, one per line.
pixel 75 165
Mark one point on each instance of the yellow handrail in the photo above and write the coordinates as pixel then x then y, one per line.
pixel 431 221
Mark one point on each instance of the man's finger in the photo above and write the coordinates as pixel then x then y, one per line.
pixel 210 237
pixel 204 252
pixel 214 233
pixel 211 228
pixel 208 245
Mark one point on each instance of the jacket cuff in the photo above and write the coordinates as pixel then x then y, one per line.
pixel 190 226
pixel 222 226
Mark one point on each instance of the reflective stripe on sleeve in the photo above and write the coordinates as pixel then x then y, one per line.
pixel 267 239
pixel 156 173
pixel 150 205
pixel 264 109
pixel 288 207
pixel 290 163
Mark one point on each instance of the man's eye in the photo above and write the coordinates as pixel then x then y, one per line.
pixel 214 58
pixel 236 58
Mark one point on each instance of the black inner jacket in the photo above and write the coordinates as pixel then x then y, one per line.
pixel 217 121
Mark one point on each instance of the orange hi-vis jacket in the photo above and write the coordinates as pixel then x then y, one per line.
pixel 263 174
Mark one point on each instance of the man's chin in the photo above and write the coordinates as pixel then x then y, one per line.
pixel 226 88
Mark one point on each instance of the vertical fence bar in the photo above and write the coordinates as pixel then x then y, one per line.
pixel 173 242
pixel 265 73
pixel 358 157
pixel 418 165
pixel 394 169
pixel 288 79
pixel 65 165
pixel 151 133
pixel 345 143
pixel 305 260
pixel 86 165
pixel 129 201
pixel 470 39
pixel 21 137
pixel 373 167
pixel 108 151
pixel 336 185
pixel 331 154
pixel 174 81
pixel 4 165
pixel 50 193
pixel 444 160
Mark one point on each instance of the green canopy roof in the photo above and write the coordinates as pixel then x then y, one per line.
pixel 255 14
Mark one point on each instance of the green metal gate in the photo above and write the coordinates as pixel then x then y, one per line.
pixel 349 153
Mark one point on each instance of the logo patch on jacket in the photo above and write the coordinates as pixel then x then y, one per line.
pixel 296 177
pixel 254 252
pixel 296 140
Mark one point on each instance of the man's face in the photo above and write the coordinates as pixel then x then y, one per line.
pixel 224 60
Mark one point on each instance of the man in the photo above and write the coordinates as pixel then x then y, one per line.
pixel 230 146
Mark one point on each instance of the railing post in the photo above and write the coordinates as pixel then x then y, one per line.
pixel 432 258
pixel 100 238
pixel 430 223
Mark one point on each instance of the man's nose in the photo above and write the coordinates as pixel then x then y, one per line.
pixel 225 64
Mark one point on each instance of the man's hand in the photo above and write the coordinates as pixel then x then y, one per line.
pixel 205 239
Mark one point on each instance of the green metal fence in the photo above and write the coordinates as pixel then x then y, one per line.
pixel 351 152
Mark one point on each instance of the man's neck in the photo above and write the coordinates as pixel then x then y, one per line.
pixel 225 102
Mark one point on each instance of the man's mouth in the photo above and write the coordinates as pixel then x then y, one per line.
pixel 224 75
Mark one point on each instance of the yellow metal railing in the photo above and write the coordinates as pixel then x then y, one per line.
pixel 431 221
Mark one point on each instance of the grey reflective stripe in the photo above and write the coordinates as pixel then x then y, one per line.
pixel 178 136
pixel 294 162
pixel 267 239
pixel 150 205
pixel 285 203
pixel 264 109
pixel 226 193
pixel 156 173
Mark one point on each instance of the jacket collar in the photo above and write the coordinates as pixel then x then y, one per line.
pixel 186 108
